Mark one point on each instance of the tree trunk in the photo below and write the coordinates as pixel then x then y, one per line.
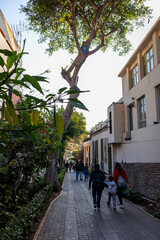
pixel 51 174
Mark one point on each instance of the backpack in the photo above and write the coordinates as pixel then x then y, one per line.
pixel 98 181
pixel 121 182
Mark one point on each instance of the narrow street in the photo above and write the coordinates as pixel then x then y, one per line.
pixel 72 217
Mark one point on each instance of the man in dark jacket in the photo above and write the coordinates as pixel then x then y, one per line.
pixel 77 169
pixel 97 179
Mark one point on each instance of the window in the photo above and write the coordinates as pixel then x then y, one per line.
pixel 148 62
pixel 95 152
pixel 110 122
pixel 130 117
pixel 158 102
pixel 134 76
pixel 142 112
pixel 102 154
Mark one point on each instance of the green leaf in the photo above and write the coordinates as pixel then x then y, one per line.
pixel 18 82
pixel 13 114
pixel 26 116
pixel 6 52
pixel 75 100
pixel 17 93
pixel 50 96
pixel 35 117
pixel 78 105
pixel 9 63
pixel 3 110
pixel 3 75
pixel 33 82
pixel 7 116
pixel 19 71
pixel 40 79
pixel 1 61
pixel 37 100
pixel 7 98
pixel 59 124
pixel 62 90
pixel 60 100
pixel 75 91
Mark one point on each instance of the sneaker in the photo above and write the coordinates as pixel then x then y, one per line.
pixel 121 206
pixel 95 206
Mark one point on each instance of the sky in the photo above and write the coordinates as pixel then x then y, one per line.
pixel 99 74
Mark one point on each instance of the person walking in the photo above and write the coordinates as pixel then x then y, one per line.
pixel 121 179
pixel 112 189
pixel 86 171
pixel 81 169
pixel 97 180
pixel 77 169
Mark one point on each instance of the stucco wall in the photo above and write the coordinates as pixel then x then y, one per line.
pixel 100 135
pixel 144 177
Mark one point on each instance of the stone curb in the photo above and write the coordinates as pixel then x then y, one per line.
pixel 141 209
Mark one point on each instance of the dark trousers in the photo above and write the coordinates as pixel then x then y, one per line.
pixel 120 194
pixel 96 193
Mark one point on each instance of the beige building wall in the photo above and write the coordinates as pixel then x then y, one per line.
pixel 139 151
pixel 99 141
pixel 10 42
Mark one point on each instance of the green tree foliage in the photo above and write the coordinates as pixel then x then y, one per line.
pixel 68 24
pixel 77 127
pixel 84 27
pixel 76 130
pixel 26 137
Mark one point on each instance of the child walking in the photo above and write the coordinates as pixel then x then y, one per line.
pixel 112 188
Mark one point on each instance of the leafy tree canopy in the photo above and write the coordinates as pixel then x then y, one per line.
pixel 67 24
pixel 84 27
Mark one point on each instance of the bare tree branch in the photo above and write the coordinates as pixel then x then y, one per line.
pixel 100 45
pixel 112 31
pixel 93 4
pixel 104 36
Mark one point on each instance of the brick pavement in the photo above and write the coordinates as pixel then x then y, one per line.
pixel 72 217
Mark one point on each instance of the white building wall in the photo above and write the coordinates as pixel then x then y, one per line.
pixel 140 154
pixel 97 137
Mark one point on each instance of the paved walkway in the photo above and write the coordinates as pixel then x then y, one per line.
pixel 72 217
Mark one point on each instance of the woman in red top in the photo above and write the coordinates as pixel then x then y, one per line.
pixel 118 170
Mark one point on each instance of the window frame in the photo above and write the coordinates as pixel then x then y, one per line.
pixel 157 89
pixel 142 112
pixel 148 62
pixel 134 78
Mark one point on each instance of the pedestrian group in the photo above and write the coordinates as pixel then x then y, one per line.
pixel 98 181
pixel 115 184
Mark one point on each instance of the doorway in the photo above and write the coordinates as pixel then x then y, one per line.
pixel 109 160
